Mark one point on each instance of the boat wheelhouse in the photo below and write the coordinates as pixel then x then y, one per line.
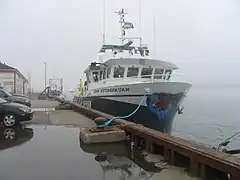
pixel 128 70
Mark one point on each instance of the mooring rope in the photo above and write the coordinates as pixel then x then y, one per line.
pixel 124 117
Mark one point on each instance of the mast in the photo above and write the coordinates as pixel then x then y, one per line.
pixel 154 35
pixel 124 25
pixel 121 14
pixel 139 21
pixel 104 9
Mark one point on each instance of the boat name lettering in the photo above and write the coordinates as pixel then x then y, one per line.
pixel 124 89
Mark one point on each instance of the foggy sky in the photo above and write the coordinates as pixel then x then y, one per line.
pixel 201 37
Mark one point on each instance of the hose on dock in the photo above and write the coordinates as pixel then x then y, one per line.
pixel 146 91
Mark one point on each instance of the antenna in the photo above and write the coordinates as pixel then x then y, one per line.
pixel 139 21
pixel 124 25
pixel 154 35
pixel 104 9
pixel 122 22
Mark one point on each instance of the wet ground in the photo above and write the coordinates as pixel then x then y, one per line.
pixel 48 148
pixel 45 113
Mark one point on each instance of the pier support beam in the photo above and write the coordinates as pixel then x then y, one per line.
pixel 202 172
pixel 149 146
pixel 194 167
pixel 166 154
pixel 172 157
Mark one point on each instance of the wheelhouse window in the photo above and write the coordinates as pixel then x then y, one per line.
pixel 95 76
pixel 101 75
pixel 158 74
pixel 168 73
pixel 88 79
pixel 146 72
pixel 118 72
pixel 104 74
pixel 108 72
pixel 132 72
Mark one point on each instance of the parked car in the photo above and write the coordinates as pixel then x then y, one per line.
pixel 11 113
pixel 14 98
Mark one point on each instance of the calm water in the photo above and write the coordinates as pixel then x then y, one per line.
pixel 211 113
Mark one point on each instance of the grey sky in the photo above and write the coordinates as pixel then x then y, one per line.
pixel 202 37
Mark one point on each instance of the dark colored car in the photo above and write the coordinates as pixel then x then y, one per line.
pixel 11 113
pixel 14 98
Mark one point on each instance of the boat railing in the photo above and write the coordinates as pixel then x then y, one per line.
pixel 151 78
pixel 161 77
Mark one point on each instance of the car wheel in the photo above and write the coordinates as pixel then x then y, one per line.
pixel 9 120
pixel 9 134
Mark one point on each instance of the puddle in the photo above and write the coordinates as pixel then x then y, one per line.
pixel 43 109
pixel 55 152
pixel 13 137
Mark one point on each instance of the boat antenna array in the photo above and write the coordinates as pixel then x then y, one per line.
pixel 125 46
pixel 125 25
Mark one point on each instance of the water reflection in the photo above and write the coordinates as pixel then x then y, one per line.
pixel 118 157
pixel 11 137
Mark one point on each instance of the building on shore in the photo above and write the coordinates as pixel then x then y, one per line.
pixel 12 79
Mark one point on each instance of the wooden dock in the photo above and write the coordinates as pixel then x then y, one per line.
pixel 201 161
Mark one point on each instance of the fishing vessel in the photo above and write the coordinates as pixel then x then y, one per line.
pixel 116 83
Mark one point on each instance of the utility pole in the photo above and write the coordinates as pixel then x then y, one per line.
pixel 45 74
pixel 29 85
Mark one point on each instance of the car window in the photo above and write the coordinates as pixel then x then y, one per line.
pixel 6 92
pixel 2 94
pixel 2 101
